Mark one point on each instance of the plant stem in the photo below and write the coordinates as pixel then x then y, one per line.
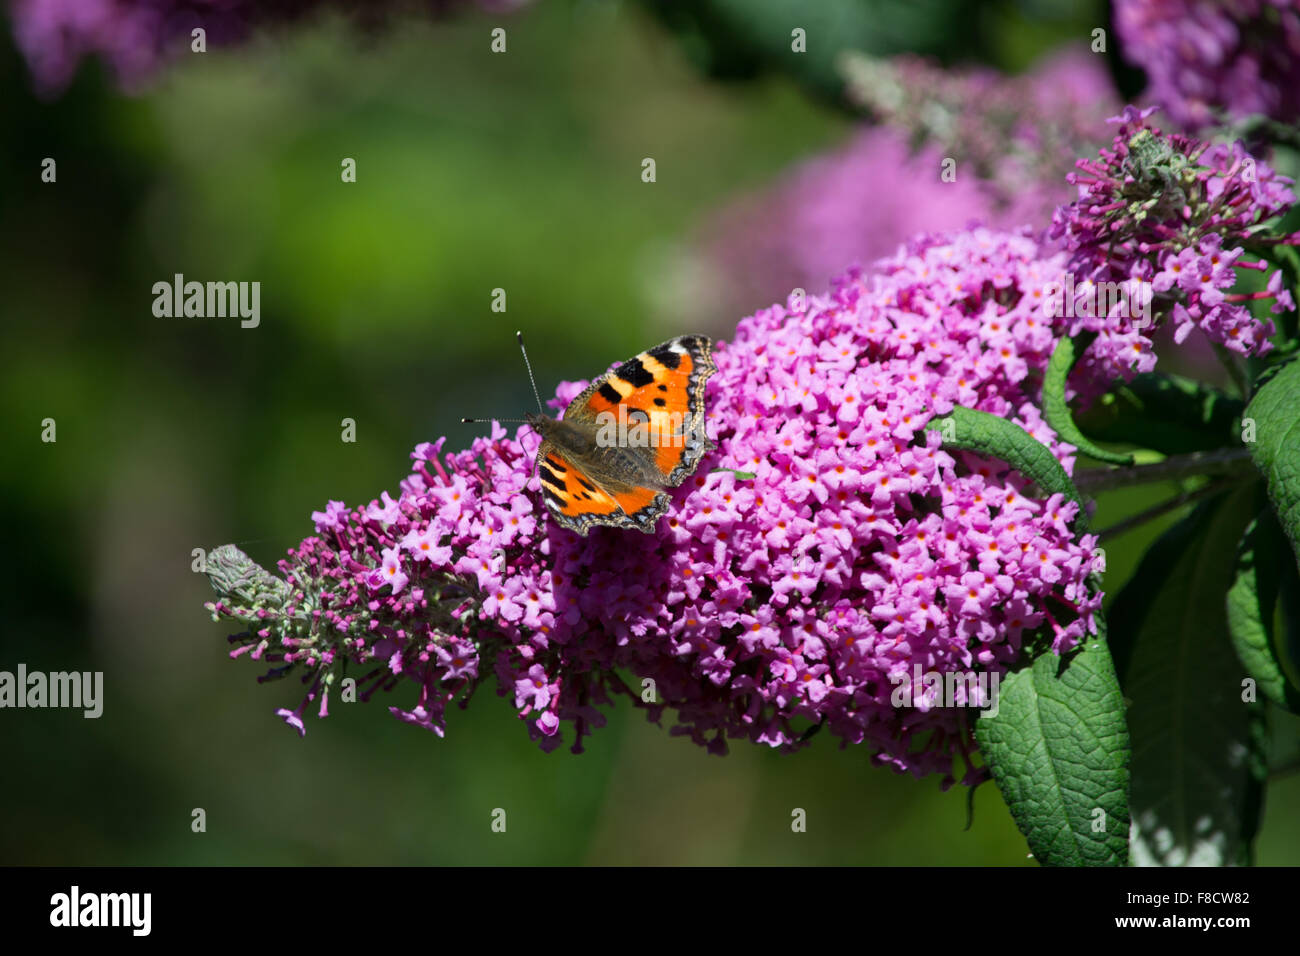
pixel 1284 771
pixel 1234 462
pixel 1150 514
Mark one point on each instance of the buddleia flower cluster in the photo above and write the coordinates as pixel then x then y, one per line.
pixel 829 550
pixel 1167 219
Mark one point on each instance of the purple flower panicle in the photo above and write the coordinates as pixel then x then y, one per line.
pixel 828 548
pixel 1166 218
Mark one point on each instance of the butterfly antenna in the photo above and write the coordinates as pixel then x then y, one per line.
pixel 529 365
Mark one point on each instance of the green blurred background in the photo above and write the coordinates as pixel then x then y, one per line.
pixel 474 172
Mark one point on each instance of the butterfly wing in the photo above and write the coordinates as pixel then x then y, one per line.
pixel 664 386
pixel 578 502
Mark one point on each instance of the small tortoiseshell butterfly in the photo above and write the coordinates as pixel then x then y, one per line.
pixel 631 434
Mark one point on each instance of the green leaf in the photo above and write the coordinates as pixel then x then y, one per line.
pixel 1262 556
pixel 1283 742
pixel 986 434
pixel 1058 749
pixel 1198 749
pixel 1166 413
pixel 1056 411
pixel 1288 647
pixel 1275 414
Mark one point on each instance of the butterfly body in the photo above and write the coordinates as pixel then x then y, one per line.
pixel 632 433
pixel 610 466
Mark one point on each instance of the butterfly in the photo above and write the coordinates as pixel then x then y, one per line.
pixel 633 433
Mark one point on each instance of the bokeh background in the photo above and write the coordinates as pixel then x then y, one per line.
pixel 475 171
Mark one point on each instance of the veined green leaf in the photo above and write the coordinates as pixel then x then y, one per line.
pixel 1056 411
pixel 1059 752
pixel 986 434
pixel 1262 558
pixel 1274 413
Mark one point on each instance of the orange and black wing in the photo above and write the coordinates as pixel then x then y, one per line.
pixel 577 502
pixel 663 388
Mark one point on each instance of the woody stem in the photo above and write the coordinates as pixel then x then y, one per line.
pixel 1156 511
pixel 1228 462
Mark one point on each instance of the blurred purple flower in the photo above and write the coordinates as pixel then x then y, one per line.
pixel 827 549
pixel 1205 57
pixel 135 37
pixel 1013 139
pixel 856 205
pixel 1017 133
